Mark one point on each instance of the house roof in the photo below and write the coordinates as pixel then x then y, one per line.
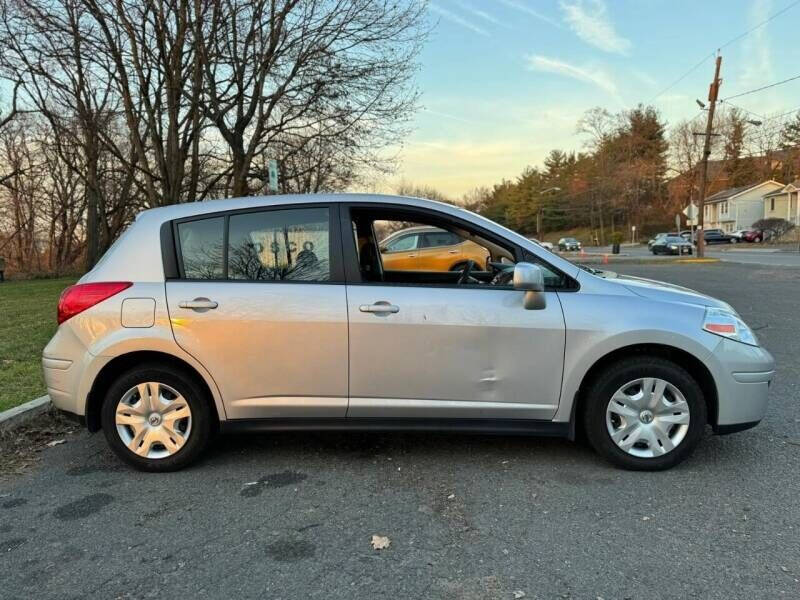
pixel 732 192
pixel 795 185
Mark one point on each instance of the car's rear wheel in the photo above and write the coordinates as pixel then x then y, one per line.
pixel 156 418
pixel 645 413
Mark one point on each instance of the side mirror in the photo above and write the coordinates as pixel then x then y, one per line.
pixel 384 249
pixel 529 278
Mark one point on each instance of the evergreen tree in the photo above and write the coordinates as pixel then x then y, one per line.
pixel 741 169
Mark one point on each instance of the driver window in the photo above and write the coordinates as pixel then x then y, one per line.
pixel 395 250
pixel 414 246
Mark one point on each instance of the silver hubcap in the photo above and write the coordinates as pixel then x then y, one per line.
pixel 647 417
pixel 153 420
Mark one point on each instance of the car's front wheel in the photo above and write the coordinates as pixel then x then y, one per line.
pixel 645 413
pixel 156 418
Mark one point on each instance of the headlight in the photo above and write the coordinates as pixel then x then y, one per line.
pixel 673 247
pixel 728 324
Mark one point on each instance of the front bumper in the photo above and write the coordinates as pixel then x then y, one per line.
pixel 743 375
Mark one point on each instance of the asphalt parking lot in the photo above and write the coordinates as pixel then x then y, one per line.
pixel 292 515
pixel 784 256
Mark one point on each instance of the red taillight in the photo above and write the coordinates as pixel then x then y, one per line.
pixel 78 298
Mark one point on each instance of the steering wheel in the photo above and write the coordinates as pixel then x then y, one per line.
pixel 464 277
pixel 504 273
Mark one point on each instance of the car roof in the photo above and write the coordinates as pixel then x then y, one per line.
pixel 190 209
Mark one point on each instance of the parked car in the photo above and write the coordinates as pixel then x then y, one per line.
pixel 711 236
pixel 546 245
pixel 424 248
pixel 717 236
pixel 671 244
pixel 753 236
pixel 277 313
pixel 569 244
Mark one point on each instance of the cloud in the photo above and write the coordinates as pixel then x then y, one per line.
pixel 552 65
pixel 756 50
pixel 457 19
pixel 645 78
pixel 481 14
pixel 520 6
pixel 589 20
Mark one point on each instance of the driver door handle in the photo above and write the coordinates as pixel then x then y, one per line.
pixel 379 308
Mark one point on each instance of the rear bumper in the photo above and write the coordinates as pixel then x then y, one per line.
pixel 69 370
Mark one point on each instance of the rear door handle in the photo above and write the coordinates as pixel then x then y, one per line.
pixel 379 308
pixel 198 304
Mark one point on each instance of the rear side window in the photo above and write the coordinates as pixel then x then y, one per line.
pixel 405 242
pixel 436 239
pixel 280 245
pixel 202 248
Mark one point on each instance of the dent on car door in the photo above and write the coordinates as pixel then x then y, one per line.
pixel 270 325
pixel 452 351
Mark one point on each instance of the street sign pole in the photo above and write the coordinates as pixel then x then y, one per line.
pixel 272 172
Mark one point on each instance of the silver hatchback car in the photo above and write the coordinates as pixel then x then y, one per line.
pixel 276 313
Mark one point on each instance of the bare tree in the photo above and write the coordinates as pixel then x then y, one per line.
pixel 49 50
pixel 288 78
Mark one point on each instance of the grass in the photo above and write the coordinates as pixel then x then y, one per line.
pixel 27 322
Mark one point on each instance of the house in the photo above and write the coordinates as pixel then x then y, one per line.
pixel 784 203
pixel 737 208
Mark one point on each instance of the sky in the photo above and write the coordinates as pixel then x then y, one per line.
pixel 505 81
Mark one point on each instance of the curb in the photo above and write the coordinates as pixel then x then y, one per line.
pixel 689 261
pixel 13 417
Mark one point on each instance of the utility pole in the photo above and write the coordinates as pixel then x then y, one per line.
pixel 712 98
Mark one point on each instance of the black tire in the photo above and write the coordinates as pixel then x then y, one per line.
pixel 202 416
pixel 616 375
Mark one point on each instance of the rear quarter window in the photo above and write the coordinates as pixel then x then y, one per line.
pixel 202 252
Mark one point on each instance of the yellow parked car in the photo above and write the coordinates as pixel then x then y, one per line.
pixel 427 248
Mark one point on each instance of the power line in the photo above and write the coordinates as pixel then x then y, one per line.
pixel 765 87
pixel 764 22
pixel 750 112
pixel 788 112
pixel 765 118
pixel 725 45
pixel 684 76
